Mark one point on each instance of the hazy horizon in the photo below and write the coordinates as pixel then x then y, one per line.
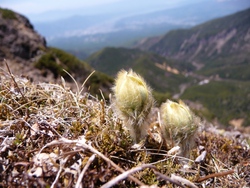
pixel 47 10
pixel 92 25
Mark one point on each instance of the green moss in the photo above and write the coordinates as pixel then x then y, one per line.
pixel 148 177
pixel 18 139
pixel 8 14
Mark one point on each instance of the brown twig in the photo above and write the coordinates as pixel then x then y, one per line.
pixel 166 178
pixel 183 180
pixel 102 115
pixel 81 143
pixel 78 183
pixel 15 83
pixel 126 174
pixel 215 175
pixel 112 163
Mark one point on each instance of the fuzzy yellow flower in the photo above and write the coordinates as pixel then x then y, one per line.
pixel 133 102
pixel 179 124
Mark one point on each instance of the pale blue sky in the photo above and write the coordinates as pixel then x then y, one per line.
pixel 40 6
pixel 45 10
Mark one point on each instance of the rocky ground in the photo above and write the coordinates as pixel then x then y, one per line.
pixel 51 136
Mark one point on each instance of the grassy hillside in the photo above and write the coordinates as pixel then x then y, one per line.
pixel 8 14
pixel 112 60
pixel 235 66
pixel 56 61
pixel 225 100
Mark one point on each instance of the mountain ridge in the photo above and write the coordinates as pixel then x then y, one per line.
pixel 222 42
pixel 216 32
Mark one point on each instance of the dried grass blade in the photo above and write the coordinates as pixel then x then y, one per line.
pixel 91 159
pixel 125 175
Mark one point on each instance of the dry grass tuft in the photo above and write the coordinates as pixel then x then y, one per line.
pixel 53 137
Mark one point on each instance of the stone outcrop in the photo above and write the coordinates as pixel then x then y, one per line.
pixel 18 39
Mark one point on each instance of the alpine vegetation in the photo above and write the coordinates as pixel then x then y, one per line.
pixel 178 124
pixel 51 136
pixel 133 102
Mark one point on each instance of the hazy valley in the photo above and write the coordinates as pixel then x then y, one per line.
pixel 86 33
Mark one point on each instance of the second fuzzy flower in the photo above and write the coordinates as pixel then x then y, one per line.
pixel 179 124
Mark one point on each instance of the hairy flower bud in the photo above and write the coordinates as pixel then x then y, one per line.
pixel 179 124
pixel 133 102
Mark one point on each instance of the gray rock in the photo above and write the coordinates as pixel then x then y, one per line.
pixel 18 39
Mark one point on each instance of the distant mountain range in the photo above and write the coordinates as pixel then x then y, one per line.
pixel 84 34
pixel 219 46
pixel 208 64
